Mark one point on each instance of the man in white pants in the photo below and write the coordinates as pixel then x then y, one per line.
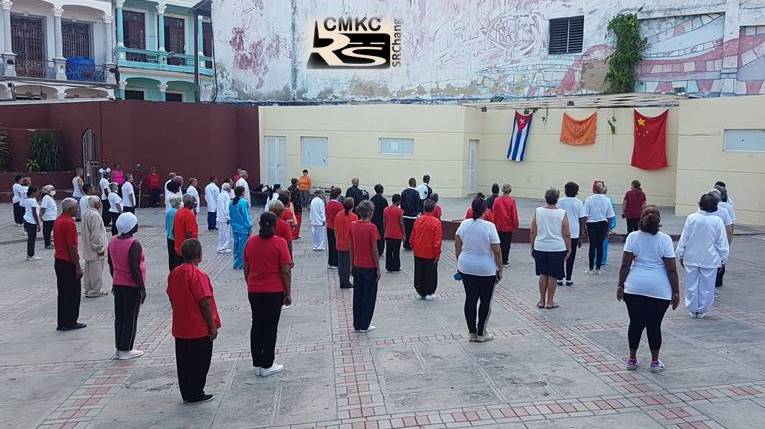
pixel 702 249
pixel 318 220
pixel 223 218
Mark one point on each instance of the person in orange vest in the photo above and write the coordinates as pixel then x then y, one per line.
pixel 426 245
pixel 304 186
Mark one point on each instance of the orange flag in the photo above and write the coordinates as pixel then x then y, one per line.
pixel 579 132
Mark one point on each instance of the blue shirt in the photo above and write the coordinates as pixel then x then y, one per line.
pixel 240 216
pixel 169 217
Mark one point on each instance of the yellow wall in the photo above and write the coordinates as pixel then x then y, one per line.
pixel 702 160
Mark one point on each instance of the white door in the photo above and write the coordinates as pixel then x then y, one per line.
pixel 276 160
pixel 472 169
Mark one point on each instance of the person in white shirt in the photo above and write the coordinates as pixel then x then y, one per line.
pixel 87 191
pixel 103 185
pixel 18 211
pixel 318 220
pixel 728 215
pixel 702 250
pixel 273 197
pixel 551 240
pixel 31 221
pixel 243 175
pixel 599 211
pixel 648 284
pixel 211 199
pixel 192 190
pixel 115 205
pixel 128 194
pixel 48 213
pixel 173 189
pixel 577 221
pixel 223 218
pixel 77 183
pixel 479 266
pixel 424 189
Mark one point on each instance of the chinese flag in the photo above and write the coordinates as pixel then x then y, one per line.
pixel 650 149
pixel 579 132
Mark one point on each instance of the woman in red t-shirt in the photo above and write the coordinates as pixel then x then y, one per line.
pixel 334 206
pixel 288 215
pixel 267 270
pixel 343 221
pixel 393 220
pixel 366 267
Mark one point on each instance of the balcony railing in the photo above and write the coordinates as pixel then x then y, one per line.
pixel 79 71
pixel 169 61
pixel 41 69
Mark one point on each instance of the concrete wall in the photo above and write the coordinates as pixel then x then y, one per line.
pixel 702 160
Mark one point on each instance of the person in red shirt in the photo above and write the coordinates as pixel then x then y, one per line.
pixel 426 245
pixel 506 219
pixel 289 215
pixel 333 207
pixel 67 266
pixel 283 228
pixel 366 267
pixel 267 270
pixel 437 212
pixel 633 205
pixel 185 223
pixel 195 322
pixel 154 185
pixel 343 221
pixel 488 215
pixel 393 219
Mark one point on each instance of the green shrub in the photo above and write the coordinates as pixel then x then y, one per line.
pixel 628 52
pixel 46 152
pixel 31 166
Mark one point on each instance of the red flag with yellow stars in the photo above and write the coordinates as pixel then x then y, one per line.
pixel 650 149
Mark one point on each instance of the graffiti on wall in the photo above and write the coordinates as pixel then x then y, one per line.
pixel 476 50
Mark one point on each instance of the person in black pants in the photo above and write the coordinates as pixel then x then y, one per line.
pixel 596 231
pixel 19 196
pixel 67 266
pixel 412 206
pixel 394 233
pixel 366 267
pixel 599 212
pixel 380 203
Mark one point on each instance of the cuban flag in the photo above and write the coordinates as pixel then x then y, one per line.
pixel 519 139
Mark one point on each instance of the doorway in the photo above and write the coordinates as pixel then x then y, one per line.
pixel 90 157
pixel 276 160
pixel 472 167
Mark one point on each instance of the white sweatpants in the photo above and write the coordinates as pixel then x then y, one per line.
pixel 699 288
pixel 224 236
pixel 319 237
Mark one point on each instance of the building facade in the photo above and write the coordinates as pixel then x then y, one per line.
pixel 56 49
pixel 324 50
pixel 155 46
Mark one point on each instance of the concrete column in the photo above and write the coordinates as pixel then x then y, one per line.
pixel 9 59
pixel 120 29
pixel 161 27
pixel 200 39
pixel 109 47
pixel 121 90
pixel 162 90
pixel 58 60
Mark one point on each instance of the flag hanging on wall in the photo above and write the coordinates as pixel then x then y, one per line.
pixel 650 149
pixel 519 139
pixel 579 132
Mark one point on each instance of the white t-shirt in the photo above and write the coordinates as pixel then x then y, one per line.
pixel 598 208
pixel 549 230
pixel 574 211
pixel 30 205
pixel 729 208
pixel 169 195
pixel 423 191
pixel 477 258
pixel 104 185
pixel 243 183
pixel 127 190
pixel 49 204
pixel 16 189
pixel 194 193
pixel 114 199
pixel 211 197
pixel 76 187
pixel 648 275
pixel 23 194
pixel 724 215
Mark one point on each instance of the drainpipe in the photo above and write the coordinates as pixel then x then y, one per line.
pixel 197 20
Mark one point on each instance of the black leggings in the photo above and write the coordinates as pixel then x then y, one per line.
pixel 266 309
pixel 127 305
pixel 645 313
pixel 31 229
pixel 571 257
pixel 505 241
pixel 597 233
pixel 477 288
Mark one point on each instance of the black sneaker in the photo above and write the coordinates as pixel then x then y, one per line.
pixel 72 328
pixel 204 398
pixel 559 282
pixel 569 283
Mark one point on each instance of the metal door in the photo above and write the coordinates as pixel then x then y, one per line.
pixel 276 160
pixel 90 157
pixel 28 43
pixel 472 166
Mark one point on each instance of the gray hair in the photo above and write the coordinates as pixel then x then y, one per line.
pixel 225 187
pixel 175 201
pixel 93 201
pixel 551 196
pixel 47 189
pixel 113 186
pixel 506 188
pixel 69 204
pixel 365 209
pixel 716 193
pixel 189 199
pixel 355 181
pixel 276 206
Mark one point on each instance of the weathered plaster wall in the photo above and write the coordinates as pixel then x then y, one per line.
pixel 457 49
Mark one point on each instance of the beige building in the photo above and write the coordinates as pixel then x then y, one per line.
pixel 464 148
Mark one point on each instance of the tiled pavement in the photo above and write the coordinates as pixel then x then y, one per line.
pixel 545 369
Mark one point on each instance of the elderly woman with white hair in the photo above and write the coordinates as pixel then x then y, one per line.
pixel 223 218
pixel 94 242
pixel 48 213
pixel 174 203
pixel 127 266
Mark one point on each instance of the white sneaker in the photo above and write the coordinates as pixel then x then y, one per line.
pixel 33 258
pixel 258 370
pixel 132 354
pixel 430 297
pixel 369 329
pixel 701 315
pixel 275 369
pixel 286 307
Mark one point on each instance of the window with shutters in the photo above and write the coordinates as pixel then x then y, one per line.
pixel 75 38
pixel 28 43
pixel 175 40
pixel 566 35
